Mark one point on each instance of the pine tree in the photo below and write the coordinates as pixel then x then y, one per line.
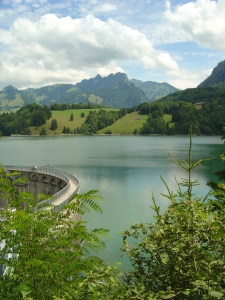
pixel 71 117
pixel 43 131
pixel 54 124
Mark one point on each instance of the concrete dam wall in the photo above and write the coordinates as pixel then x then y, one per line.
pixel 60 186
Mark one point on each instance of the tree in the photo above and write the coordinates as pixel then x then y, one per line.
pixel 20 121
pixel 38 118
pixel 82 115
pixel 71 117
pixel 219 187
pixel 223 137
pixel 181 255
pixel 43 131
pixel 66 130
pixel 54 124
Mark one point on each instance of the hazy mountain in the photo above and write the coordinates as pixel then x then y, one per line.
pixel 217 78
pixel 115 90
pixel 154 90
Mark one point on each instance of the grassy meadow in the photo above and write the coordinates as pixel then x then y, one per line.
pixel 127 124
pixel 63 119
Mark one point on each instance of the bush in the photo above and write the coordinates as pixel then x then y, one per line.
pixel 181 255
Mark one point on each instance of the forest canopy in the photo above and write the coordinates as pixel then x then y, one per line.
pixel 20 121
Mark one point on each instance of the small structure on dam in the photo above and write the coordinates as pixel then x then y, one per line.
pixel 59 185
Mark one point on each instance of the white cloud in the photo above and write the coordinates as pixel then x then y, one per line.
pixel 69 50
pixel 62 49
pixel 178 77
pixel 203 21
pixel 106 7
pixel 167 63
pixel 184 79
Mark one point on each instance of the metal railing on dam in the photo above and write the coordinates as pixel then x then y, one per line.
pixel 61 197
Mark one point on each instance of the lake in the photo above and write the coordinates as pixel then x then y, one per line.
pixel 125 170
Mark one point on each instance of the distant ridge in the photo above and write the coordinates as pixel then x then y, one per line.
pixel 114 90
pixel 154 90
pixel 217 78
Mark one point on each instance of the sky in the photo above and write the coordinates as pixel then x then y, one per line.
pixel 44 42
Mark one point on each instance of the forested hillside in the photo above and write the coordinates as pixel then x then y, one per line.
pixel 167 117
pixel 19 122
pixel 195 95
pixel 202 107
pixel 207 119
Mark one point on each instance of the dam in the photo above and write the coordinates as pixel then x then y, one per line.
pixel 59 185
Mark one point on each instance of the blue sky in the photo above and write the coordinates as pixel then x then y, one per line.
pixel 44 42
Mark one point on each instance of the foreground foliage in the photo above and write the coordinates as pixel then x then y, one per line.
pixel 44 251
pixel 179 256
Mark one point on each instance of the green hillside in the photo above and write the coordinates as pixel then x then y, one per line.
pixel 196 95
pixel 63 119
pixel 126 125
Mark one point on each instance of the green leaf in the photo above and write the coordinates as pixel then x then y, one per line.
pixel 220 233
pixel 216 294
pixel 186 292
pixel 169 296
pixel 202 215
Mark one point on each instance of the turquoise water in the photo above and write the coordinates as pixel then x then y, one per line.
pixel 125 170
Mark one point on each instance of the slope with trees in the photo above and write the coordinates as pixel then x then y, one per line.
pixel 195 95
pixel 20 121
pixel 98 120
pixel 202 107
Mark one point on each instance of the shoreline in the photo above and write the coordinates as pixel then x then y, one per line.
pixel 101 134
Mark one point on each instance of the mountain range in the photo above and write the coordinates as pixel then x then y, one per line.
pixel 115 90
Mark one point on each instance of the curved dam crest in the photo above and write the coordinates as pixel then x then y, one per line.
pixel 59 185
